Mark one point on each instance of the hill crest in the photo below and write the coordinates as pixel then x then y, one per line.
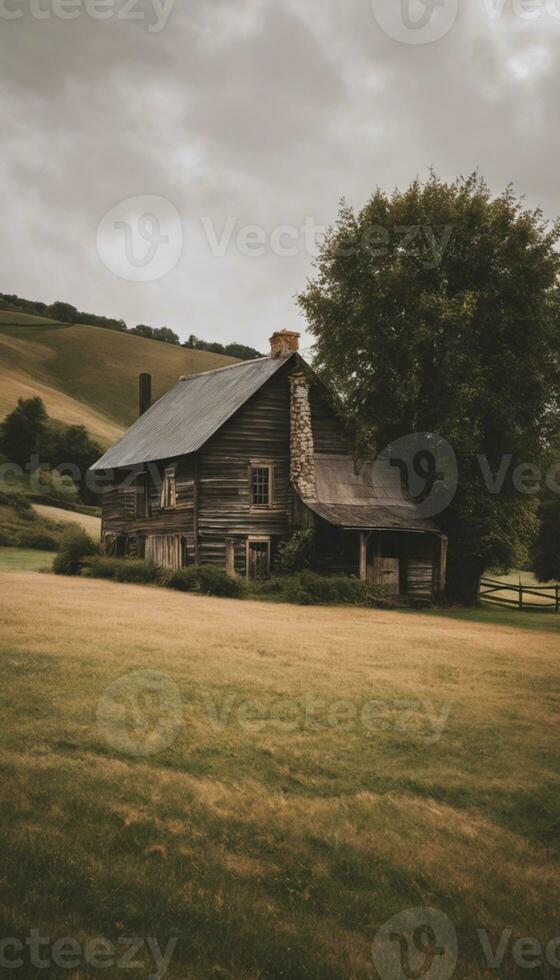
pixel 88 375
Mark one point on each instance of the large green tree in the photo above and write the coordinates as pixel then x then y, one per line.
pixel 73 448
pixel 435 310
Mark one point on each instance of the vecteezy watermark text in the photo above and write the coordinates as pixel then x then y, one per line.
pixel 140 239
pixel 99 953
pixel 157 14
pixel 424 465
pixel 142 714
pixel 419 717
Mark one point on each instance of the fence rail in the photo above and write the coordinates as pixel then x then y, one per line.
pixel 490 589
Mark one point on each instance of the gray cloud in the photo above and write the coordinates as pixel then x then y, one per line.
pixel 262 112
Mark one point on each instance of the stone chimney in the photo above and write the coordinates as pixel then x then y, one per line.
pixel 283 343
pixel 302 458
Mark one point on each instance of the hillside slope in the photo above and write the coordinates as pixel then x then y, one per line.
pixel 88 375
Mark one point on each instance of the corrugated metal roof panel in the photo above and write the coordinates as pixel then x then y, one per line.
pixel 371 518
pixel 189 413
pixel 368 499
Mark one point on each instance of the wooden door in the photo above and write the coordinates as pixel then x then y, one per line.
pixel 258 559
pixel 165 550
pixel 389 575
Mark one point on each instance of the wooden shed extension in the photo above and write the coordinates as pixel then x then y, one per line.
pixel 364 506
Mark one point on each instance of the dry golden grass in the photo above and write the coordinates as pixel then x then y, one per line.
pixel 60 407
pixel 89 522
pixel 89 375
pixel 275 851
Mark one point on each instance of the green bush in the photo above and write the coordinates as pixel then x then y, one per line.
pixel 75 546
pixel 305 589
pixel 269 587
pixel 42 541
pixel 215 581
pixel 206 579
pixel 297 553
pixel 310 589
pixel 21 505
pixel 182 579
pixel 122 570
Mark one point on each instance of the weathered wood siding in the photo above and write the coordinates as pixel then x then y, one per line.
pixel 259 432
pixel 121 509
pixel 422 564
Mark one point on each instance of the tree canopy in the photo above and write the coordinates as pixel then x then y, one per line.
pixel 23 430
pixel 435 310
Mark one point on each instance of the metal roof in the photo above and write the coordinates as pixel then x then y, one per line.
pixel 189 413
pixel 370 498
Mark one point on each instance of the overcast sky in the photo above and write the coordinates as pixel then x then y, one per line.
pixel 159 164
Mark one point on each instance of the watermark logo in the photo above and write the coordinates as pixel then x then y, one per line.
pixel 419 942
pixel 141 713
pixel 155 14
pixel 415 21
pixel 140 239
pixel 419 469
pixel 527 10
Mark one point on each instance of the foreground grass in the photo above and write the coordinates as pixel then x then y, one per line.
pixel 278 827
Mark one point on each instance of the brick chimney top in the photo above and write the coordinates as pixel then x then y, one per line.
pixel 283 343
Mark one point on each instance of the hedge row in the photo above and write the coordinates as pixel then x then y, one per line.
pixel 78 554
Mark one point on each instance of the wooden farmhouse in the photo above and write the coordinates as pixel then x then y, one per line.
pixel 228 463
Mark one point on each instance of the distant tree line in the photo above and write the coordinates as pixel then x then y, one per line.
pixel 232 350
pixel 156 333
pixel 66 313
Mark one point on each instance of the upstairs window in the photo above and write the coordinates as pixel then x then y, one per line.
pixel 261 486
pixel 169 489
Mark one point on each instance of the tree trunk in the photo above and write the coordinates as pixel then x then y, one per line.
pixel 463 581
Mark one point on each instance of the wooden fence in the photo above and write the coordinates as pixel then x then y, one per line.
pixel 519 596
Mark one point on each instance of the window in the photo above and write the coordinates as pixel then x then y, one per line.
pixel 261 485
pixel 169 490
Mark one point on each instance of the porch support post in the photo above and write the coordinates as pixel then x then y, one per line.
pixel 442 578
pixel 377 559
pixel 363 555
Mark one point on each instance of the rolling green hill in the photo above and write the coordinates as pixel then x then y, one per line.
pixel 87 375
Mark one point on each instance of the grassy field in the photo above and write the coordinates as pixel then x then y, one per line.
pixel 15 317
pixel 88 375
pixel 28 529
pixel 25 559
pixel 89 522
pixel 528 580
pixel 269 784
